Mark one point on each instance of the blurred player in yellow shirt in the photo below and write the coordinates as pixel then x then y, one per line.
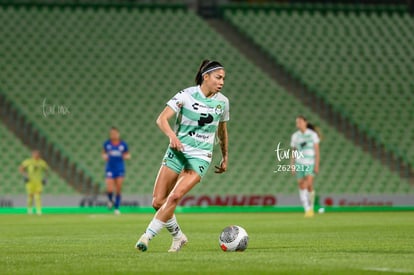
pixel 34 171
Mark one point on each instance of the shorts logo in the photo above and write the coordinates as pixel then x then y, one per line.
pixel 170 155
pixel 201 168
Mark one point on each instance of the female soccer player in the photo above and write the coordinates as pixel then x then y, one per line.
pixel 305 161
pixel 200 111
pixel 115 151
pixel 34 171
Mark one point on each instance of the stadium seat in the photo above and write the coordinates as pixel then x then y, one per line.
pixel 119 67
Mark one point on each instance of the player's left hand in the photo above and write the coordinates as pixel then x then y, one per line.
pixel 44 181
pixel 316 169
pixel 222 168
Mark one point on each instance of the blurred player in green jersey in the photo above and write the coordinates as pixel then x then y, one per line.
pixel 305 141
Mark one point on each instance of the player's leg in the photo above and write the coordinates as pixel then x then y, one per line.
pixel 38 203
pixel 38 188
pixel 186 181
pixel 110 190
pixel 118 189
pixel 164 183
pixel 303 194
pixel 311 191
pixel 30 195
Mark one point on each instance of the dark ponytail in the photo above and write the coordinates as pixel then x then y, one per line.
pixel 313 127
pixel 206 66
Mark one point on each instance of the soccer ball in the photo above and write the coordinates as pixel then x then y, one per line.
pixel 233 238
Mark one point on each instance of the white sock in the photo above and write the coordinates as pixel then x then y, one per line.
pixel 173 227
pixel 154 228
pixel 312 199
pixel 303 194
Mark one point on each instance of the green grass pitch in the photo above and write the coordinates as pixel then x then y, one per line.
pixel 280 243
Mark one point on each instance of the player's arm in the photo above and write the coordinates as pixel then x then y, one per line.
pixel 126 156
pixel 164 125
pixel 224 145
pixel 316 148
pixel 104 155
pixel 46 173
pixel 23 172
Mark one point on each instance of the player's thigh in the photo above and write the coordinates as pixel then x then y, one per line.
pixel 29 188
pixel 302 183
pixel 186 181
pixel 164 183
pixel 309 181
pixel 109 183
pixel 118 184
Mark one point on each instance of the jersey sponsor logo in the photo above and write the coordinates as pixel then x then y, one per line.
pixel 208 109
pixel 205 119
pixel 195 106
pixel 115 153
pixel 199 136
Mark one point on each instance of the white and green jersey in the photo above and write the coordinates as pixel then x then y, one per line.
pixel 198 117
pixel 304 143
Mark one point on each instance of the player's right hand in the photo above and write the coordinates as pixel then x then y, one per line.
pixel 105 157
pixel 25 179
pixel 176 144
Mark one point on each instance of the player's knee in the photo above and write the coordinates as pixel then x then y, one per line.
pixel 157 203
pixel 174 198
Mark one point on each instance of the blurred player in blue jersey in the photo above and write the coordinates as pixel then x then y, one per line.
pixel 114 152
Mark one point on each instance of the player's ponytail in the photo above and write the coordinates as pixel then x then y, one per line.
pixel 206 66
pixel 312 126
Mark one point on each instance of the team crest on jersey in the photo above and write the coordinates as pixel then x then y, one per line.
pixel 218 110
pixel 179 104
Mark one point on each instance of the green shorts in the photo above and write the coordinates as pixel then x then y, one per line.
pixel 178 162
pixel 303 170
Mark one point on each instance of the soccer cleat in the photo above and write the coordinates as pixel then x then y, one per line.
pixel 142 244
pixel 117 212
pixel 178 243
pixel 109 204
pixel 30 211
pixel 309 214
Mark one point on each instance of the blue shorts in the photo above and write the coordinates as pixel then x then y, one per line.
pixel 177 161
pixel 111 174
